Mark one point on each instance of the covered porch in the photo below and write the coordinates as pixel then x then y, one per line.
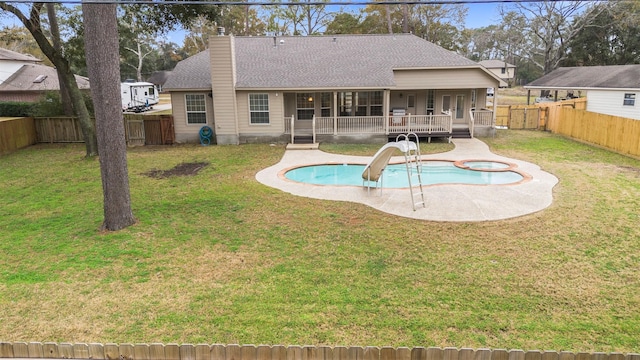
pixel 442 113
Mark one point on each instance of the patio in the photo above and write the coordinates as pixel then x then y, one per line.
pixel 443 202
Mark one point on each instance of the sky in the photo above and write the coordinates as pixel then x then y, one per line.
pixel 479 15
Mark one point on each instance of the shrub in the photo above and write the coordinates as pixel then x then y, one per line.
pixel 14 108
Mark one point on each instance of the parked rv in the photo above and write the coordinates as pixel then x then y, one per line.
pixel 138 96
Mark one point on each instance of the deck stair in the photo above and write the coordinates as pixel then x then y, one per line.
pixel 303 139
pixel 461 133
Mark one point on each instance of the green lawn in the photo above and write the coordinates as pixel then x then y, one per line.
pixel 219 258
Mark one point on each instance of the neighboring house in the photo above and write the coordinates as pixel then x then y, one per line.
pixel 158 79
pixel 22 78
pixel 334 88
pixel 502 69
pixel 612 90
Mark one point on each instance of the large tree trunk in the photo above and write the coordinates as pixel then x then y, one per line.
pixel 405 18
pixel 387 9
pixel 101 50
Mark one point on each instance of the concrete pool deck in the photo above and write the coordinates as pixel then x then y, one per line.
pixel 442 202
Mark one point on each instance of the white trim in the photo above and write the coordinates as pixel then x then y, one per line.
pixel 268 109
pixel 186 110
pixel 579 88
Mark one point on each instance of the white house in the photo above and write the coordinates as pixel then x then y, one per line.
pixel 502 69
pixel 611 90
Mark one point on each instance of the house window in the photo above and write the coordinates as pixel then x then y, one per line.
pixel 259 108
pixel 361 103
pixel 304 106
pixel 196 108
pixel 346 101
pixel 376 103
pixel 325 104
pixel 446 103
pixel 431 97
pixel 629 99
pixel 411 101
pixel 504 70
pixel 473 98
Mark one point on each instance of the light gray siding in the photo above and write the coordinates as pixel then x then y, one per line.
pixel 610 102
pixel 185 132
pixel 443 79
pixel 276 115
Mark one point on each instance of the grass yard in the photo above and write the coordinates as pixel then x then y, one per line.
pixel 217 257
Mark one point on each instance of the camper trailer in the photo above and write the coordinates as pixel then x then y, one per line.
pixel 138 96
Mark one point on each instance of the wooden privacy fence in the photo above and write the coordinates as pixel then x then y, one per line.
pixel 16 133
pixel 553 110
pixel 279 352
pixel 519 117
pixel 532 117
pixel 139 129
pixel 612 132
pixel 58 129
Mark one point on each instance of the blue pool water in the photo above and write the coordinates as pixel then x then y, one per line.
pixel 395 176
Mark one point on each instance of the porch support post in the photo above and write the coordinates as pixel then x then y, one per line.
pixel 495 109
pixel 335 113
pixel 385 110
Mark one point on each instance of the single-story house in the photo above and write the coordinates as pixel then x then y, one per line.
pixel 23 78
pixel 612 90
pixel 328 88
pixel 502 69
pixel 158 78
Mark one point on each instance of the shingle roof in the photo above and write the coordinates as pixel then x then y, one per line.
pixel 25 79
pixel 357 61
pixel 493 64
pixel 159 77
pixel 585 77
pixel 6 54
pixel 335 61
pixel 191 73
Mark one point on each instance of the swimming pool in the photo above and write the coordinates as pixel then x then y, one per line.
pixel 470 172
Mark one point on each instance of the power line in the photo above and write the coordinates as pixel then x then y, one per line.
pixel 281 3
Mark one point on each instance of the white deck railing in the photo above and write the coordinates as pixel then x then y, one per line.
pixel 483 117
pixel 427 124
pixel 350 125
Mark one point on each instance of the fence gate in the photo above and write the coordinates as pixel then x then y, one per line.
pixel 134 132
pixel 524 119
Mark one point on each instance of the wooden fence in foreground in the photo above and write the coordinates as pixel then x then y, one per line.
pixel 16 133
pixel 279 352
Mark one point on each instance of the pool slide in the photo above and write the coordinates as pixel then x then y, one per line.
pixel 380 160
